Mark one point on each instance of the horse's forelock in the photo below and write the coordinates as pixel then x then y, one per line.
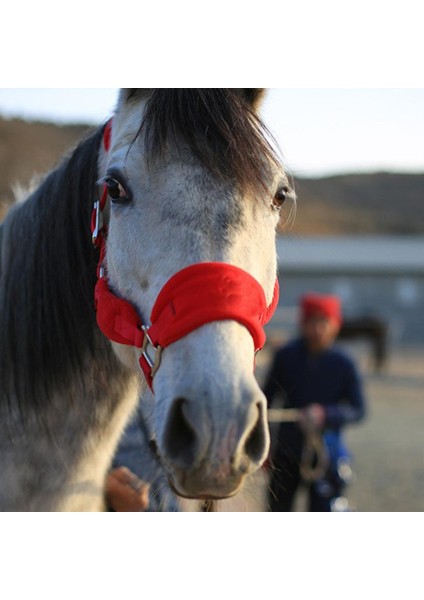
pixel 219 126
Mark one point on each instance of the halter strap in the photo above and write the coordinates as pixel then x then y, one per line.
pixel 198 294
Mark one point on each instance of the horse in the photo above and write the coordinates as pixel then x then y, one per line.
pixel 187 188
pixel 374 329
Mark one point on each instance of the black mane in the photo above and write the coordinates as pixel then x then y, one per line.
pixel 218 125
pixel 47 325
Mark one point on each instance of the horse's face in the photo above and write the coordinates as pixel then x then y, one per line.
pixel 210 414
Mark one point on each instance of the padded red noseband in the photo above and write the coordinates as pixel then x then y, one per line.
pixel 198 294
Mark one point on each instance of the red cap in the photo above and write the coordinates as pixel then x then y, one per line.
pixel 323 306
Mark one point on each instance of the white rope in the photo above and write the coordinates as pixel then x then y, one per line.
pixel 313 447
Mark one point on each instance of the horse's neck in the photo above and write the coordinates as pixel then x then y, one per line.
pixel 60 464
pixel 83 489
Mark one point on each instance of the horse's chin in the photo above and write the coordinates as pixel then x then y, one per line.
pixel 197 488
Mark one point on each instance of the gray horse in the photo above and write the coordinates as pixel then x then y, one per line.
pixel 188 178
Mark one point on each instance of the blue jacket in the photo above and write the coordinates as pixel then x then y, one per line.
pixel 329 378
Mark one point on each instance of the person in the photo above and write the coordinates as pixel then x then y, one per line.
pixel 137 481
pixel 322 387
pixel 125 492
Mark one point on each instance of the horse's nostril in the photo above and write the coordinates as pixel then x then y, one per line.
pixel 180 439
pixel 256 442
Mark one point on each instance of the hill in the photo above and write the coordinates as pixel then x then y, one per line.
pixel 378 203
pixel 30 149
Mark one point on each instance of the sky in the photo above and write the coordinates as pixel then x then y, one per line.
pixel 321 131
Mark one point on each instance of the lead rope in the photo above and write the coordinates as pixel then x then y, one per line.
pixel 209 506
pixel 313 449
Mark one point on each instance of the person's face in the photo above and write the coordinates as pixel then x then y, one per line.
pixel 319 332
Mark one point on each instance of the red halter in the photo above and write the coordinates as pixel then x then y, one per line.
pixel 196 295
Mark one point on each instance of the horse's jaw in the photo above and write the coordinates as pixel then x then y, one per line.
pixel 211 428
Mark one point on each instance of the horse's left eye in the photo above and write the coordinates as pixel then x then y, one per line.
pixel 280 197
pixel 116 191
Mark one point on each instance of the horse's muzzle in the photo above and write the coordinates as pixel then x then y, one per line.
pixel 211 461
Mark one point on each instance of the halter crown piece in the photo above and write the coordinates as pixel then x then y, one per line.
pixel 196 295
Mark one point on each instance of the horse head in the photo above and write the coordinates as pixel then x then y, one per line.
pixel 194 192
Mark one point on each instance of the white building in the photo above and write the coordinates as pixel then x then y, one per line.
pixel 374 276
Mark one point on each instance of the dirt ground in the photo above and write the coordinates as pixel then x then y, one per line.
pixel 388 447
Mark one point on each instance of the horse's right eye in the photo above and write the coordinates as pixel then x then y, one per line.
pixel 280 197
pixel 116 191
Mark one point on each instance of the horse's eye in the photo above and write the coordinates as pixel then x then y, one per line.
pixel 280 197
pixel 116 191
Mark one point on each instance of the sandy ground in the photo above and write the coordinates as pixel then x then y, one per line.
pixel 388 448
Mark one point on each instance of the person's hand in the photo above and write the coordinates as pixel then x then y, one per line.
pixel 312 418
pixel 125 492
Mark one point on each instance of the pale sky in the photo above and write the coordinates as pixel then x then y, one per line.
pixel 320 131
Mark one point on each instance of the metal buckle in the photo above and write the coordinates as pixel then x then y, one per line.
pixel 96 229
pixel 154 362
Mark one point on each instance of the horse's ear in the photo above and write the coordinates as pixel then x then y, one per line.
pixel 127 94
pixel 254 96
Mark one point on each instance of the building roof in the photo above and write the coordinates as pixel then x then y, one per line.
pixel 351 254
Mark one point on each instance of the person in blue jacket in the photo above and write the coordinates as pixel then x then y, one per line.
pixel 323 385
